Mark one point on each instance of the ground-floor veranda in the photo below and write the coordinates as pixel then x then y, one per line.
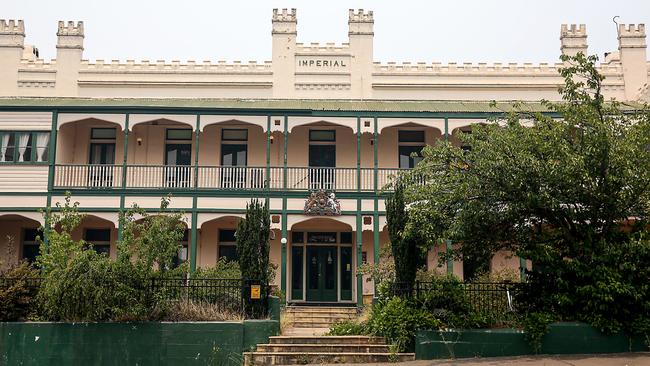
pixel 317 263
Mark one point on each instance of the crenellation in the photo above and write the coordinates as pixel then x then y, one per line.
pixel 284 15
pixel 631 30
pixel 360 16
pixel 573 30
pixel 70 29
pixel 12 27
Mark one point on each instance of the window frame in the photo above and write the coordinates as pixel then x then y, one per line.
pixel 417 144
pixel 226 244
pixel 179 139
pixel 102 243
pixel 32 146
pixel 224 139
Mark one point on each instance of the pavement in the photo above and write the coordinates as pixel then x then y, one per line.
pixel 619 359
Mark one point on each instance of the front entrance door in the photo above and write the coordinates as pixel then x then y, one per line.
pixel 321 273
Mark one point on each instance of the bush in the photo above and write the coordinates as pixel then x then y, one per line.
pixel 348 327
pixel 92 287
pixel 222 269
pixel 199 311
pixel 18 292
pixel 398 319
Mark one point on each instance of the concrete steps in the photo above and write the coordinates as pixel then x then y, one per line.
pixel 299 350
pixel 318 317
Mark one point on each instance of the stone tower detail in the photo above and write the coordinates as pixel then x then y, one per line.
pixel 284 34
pixel 632 47
pixel 573 39
pixel 69 51
pixel 361 34
pixel 12 41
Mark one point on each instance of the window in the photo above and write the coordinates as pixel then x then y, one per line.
pixel 346 237
pixel 30 245
pixel 103 133
pixel 24 147
pixel 322 135
pixel 179 134
pixel 321 237
pixel 410 148
pixel 181 257
pixel 227 244
pixel 297 237
pixel 234 135
pixel 464 145
pixel 100 240
pixel 473 266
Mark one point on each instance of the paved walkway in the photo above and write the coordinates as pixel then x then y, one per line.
pixel 621 359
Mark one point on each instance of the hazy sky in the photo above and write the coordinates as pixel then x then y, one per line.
pixel 405 30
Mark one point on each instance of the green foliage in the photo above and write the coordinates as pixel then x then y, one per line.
pixel 223 268
pixel 253 234
pixel 570 194
pixel 149 240
pixel 348 327
pixel 407 253
pixel 253 247
pixel 398 320
pixel 17 300
pixel 535 328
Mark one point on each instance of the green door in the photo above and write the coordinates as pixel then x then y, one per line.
pixel 321 273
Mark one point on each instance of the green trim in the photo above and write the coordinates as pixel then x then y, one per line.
pixel 446 129
pixel 125 152
pixel 450 262
pixel 50 170
pixel 358 154
pixel 194 233
pixel 183 209
pixel 267 181
pixel 375 216
pixel 283 251
pixel 285 142
pixel 522 268
pixel 359 245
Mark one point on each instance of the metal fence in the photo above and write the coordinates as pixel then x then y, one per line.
pixel 484 297
pixel 227 294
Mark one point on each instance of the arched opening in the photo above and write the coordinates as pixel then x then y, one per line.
pixel 321 260
pixel 235 158
pixel 18 239
pixel 322 155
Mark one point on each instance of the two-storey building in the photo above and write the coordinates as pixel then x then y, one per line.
pixel 317 131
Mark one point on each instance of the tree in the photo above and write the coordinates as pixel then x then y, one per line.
pixel 151 240
pixel 407 253
pixel 253 234
pixel 567 193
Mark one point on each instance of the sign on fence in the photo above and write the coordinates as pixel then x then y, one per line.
pixel 256 292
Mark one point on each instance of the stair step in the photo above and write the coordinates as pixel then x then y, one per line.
pixel 301 358
pixel 310 309
pixel 327 340
pixel 311 324
pixel 323 316
pixel 323 348
pixel 305 332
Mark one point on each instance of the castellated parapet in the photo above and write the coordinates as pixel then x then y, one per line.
pixel 12 33
pixel 573 39
pixel 360 22
pixel 284 21
pixel 70 35
pixel 631 35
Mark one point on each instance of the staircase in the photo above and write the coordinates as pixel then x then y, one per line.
pixel 300 350
pixel 313 320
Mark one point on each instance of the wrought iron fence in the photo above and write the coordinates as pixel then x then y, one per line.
pixel 227 294
pixel 485 297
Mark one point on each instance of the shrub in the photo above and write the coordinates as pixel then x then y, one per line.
pixel 222 269
pixel 398 319
pixel 18 292
pixel 348 327
pixel 199 311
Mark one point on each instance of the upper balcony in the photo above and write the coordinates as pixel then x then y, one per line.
pixel 239 153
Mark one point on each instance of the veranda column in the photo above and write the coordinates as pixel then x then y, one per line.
pixel 283 241
pixel 120 227
pixel 359 226
pixel 51 170
pixel 375 214
pixel 193 238
pixel 448 244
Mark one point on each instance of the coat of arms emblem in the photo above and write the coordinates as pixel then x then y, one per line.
pixel 322 203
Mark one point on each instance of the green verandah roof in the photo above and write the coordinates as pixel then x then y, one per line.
pixel 328 105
